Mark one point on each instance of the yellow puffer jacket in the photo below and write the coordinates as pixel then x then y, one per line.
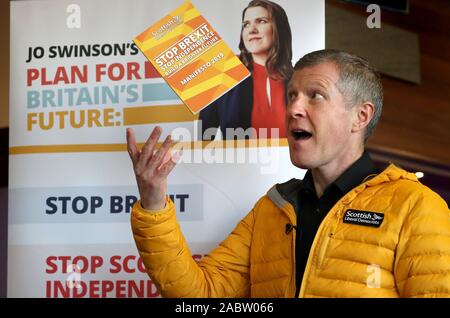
pixel 408 255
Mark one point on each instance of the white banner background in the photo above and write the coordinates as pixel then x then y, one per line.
pixel 42 238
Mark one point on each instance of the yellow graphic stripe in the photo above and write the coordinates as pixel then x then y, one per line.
pixel 157 114
pixel 231 63
pixel 191 14
pixel 21 150
pixel 221 79
pixel 253 143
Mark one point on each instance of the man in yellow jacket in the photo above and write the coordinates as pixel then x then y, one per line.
pixel 345 230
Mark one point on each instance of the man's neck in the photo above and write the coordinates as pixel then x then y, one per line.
pixel 325 175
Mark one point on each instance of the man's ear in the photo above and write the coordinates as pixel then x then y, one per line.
pixel 364 113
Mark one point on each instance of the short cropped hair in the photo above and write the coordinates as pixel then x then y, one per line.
pixel 358 81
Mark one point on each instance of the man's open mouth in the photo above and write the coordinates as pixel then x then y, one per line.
pixel 300 134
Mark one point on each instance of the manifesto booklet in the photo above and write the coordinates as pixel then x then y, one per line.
pixel 192 57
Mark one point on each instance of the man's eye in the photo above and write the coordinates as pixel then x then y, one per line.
pixel 317 95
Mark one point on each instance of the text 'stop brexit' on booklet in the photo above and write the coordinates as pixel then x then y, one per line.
pixel 191 57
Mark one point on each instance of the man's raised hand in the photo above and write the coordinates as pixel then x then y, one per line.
pixel 152 167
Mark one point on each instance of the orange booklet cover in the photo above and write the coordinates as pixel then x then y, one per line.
pixel 192 57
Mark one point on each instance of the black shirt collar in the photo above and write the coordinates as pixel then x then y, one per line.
pixel 349 179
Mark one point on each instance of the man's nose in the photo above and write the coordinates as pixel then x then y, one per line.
pixel 296 108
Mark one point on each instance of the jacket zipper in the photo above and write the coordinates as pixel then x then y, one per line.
pixel 293 270
pixel 323 249
pixel 288 209
pixel 328 238
pixel 324 225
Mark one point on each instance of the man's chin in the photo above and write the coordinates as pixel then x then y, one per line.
pixel 301 163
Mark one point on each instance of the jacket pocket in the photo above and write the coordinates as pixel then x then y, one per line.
pixel 323 250
pixel 326 242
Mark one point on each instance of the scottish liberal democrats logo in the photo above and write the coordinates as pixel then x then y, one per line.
pixel 366 218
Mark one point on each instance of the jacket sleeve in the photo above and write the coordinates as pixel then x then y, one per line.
pixel 422 266
pixel 163 249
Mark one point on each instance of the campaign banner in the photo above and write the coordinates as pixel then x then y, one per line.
pixel 192 57
pixel 77 83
